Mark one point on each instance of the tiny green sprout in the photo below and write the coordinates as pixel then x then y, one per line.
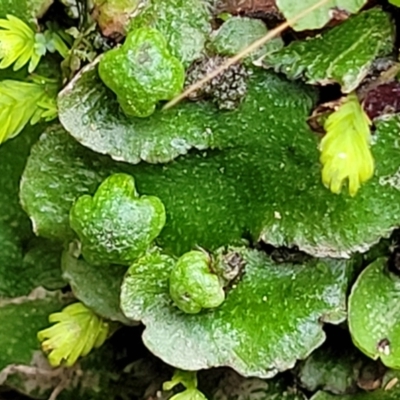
pixel 192 284
pixel 142 72
pixel 189 380
pixel 345 149
pixel 26 102
pixel 77 331
pixel 18 45
pixel 57 40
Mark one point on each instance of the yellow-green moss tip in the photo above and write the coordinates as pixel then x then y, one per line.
pixel 345 149
pixel 77 331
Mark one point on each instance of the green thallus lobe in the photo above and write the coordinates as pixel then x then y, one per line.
pixel 116 225
pixel 142 72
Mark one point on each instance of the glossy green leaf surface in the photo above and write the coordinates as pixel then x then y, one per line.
pixel 116 225
pixel 98 288
pixel 164 136
pixel 341 55
pixel 82 174
pixel 269 319
pixel 214 198
pixel 373 318
pixel 111 132
pixel 320 16
pixel 185 25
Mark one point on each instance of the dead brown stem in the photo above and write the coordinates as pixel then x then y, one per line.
pixel 248 50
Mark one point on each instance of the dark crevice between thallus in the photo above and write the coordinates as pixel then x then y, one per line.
pixel 329 93
pixel 328 96
pixel 380 91
pixel 393 261
pixel 367 375
pixel 128 345
pixel 284 255
pixel 7 394
pixel 57 12
pixel 395 13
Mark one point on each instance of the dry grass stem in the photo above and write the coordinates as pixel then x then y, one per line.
pixel 245 52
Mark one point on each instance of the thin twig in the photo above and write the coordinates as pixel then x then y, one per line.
pixel 58 389
pixel 248 50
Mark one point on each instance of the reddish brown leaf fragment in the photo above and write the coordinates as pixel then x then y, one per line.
pixel 384 99
pixel 262 8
